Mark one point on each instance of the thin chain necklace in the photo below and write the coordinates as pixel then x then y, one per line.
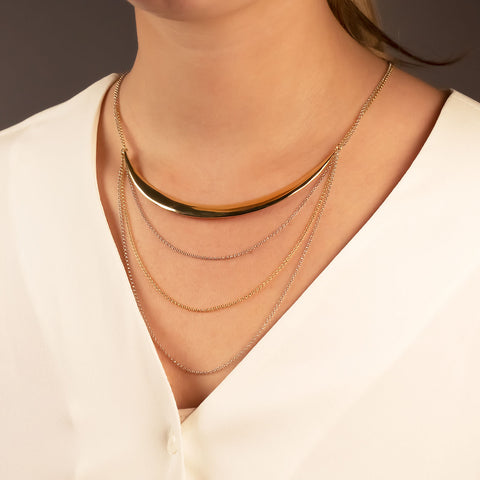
pixel 241 353
pixel 331 164
pixel 209 211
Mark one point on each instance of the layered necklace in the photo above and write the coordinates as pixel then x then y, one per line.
pixel 324 170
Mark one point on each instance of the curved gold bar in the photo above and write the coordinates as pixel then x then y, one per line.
pixel 217 211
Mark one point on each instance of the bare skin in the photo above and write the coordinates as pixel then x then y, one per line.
pixel 227 101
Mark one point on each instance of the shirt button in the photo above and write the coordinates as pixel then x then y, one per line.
pixel 172 443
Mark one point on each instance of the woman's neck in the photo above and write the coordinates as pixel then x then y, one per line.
pixel 208 98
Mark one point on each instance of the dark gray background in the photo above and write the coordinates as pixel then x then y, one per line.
pixel 52 49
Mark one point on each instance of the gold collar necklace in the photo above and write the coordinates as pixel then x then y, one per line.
pixel 216 211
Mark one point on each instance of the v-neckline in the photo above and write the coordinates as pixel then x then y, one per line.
pixel 307 295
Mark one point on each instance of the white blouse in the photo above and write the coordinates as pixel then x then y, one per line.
pixel 372 374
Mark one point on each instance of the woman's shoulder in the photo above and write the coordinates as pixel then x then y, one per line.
pixel 47 150
pixel 463 112
pixel 455 137
pixel 54 125
pixel 469 103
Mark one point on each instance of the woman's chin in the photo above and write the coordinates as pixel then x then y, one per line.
pixel 190 10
